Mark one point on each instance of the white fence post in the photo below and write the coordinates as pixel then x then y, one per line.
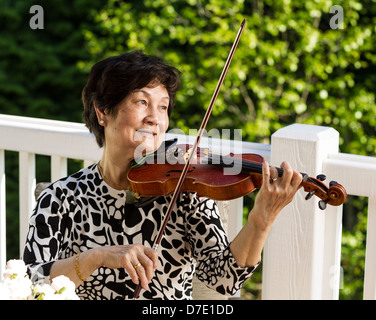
pixel 2 214
pixel 59 167
pixel 303 236
pixel 27 187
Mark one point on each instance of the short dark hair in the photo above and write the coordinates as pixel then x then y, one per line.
pixel 114 78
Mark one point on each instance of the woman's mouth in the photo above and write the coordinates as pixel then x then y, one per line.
pixel 146 132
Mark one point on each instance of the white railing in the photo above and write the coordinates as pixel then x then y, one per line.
pixel 303 250
pixel 301 259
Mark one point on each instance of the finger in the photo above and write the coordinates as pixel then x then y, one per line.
pixel 297 179
pixel 137 273
pixel 153 255
pixel 294 177
pixel 147 265
pixel 287 172
pixel 140 270
pixel 265 172
pixel 129 267
pixel 273 173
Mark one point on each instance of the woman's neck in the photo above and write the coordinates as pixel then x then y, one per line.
pixel 115 171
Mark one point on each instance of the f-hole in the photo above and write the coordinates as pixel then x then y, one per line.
pixel 168 173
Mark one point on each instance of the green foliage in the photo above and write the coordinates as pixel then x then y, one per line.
pixel 290 66
pixel 39 76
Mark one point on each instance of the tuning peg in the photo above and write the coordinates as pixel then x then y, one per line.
pixel 322 204
pixel 321 177
pixel 332 183
pixel 310 194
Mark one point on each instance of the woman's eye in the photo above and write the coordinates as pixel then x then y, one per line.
pixel 141 102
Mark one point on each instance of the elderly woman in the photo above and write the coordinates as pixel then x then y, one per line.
pixel 89 227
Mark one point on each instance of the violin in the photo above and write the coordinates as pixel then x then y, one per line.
pixel 217 177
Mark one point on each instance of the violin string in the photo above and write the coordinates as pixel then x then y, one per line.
pixel 141 160
pixel 245 164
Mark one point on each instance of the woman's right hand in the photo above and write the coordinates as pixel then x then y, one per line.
pixel 139 261
pixel 114 257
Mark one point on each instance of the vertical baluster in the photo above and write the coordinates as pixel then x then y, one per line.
pixel 370 265
pixel 27 187
pixel 59 168
pixel 235 212
pixel 2 214
pixel 234 220
pixel 88 163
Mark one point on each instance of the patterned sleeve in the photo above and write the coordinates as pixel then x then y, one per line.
pixel 44 237
pixel 216 266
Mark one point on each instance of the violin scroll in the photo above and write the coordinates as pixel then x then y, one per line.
pixel 335 195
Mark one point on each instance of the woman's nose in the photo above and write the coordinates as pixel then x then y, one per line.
pixel 151 116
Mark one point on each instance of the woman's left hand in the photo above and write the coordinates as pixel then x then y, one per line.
pixel 274 194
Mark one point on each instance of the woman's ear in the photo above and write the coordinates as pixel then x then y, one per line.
pixel 101 115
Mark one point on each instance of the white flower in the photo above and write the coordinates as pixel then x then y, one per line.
pixel 4 292
pixel 61 282
pixel 19 288
pixel 15 268
pixel 16 285
pixel 45 292
pixel 64 287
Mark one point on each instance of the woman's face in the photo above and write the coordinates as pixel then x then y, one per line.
pixel 140 123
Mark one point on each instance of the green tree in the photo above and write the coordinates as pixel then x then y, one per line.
pixel 289 66
pixel 39 77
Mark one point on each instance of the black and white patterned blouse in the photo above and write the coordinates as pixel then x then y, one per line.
pixel 82 211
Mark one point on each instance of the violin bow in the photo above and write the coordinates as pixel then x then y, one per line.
pixel 194 148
